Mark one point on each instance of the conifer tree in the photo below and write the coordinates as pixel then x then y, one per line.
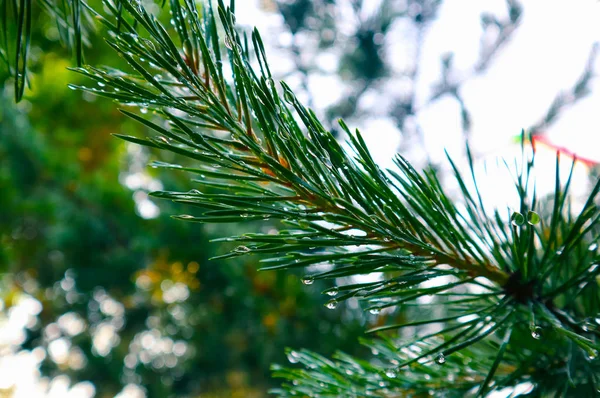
pixel 477 299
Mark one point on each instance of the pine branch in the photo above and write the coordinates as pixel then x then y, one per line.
pixel 260 155
pixel 16 31
pixel 352 194
pixel 72 21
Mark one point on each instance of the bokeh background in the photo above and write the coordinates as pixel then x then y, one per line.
pixel 103 294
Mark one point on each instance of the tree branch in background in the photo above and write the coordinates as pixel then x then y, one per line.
pixel 565 100
pixel 450 85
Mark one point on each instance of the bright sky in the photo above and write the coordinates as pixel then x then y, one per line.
pixel 546 55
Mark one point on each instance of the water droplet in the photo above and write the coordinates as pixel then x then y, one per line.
pixel 293 357
pixel 517 219
pixel 396 288
pixel 593 247
pixel 536 332
pixel 391 373
pixel 228 43
pixel 331 304
pixel 333 292
pixel 591 355
pixel 308 280
pixel 374 351
pixel 374 311
pixel 242 249
pixel 559 252
pixel 100 84
pixel 144 110
pixel 441 359
pixel 288 96
pixel 533 218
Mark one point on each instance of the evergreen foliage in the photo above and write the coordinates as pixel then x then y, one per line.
pixel 479 299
